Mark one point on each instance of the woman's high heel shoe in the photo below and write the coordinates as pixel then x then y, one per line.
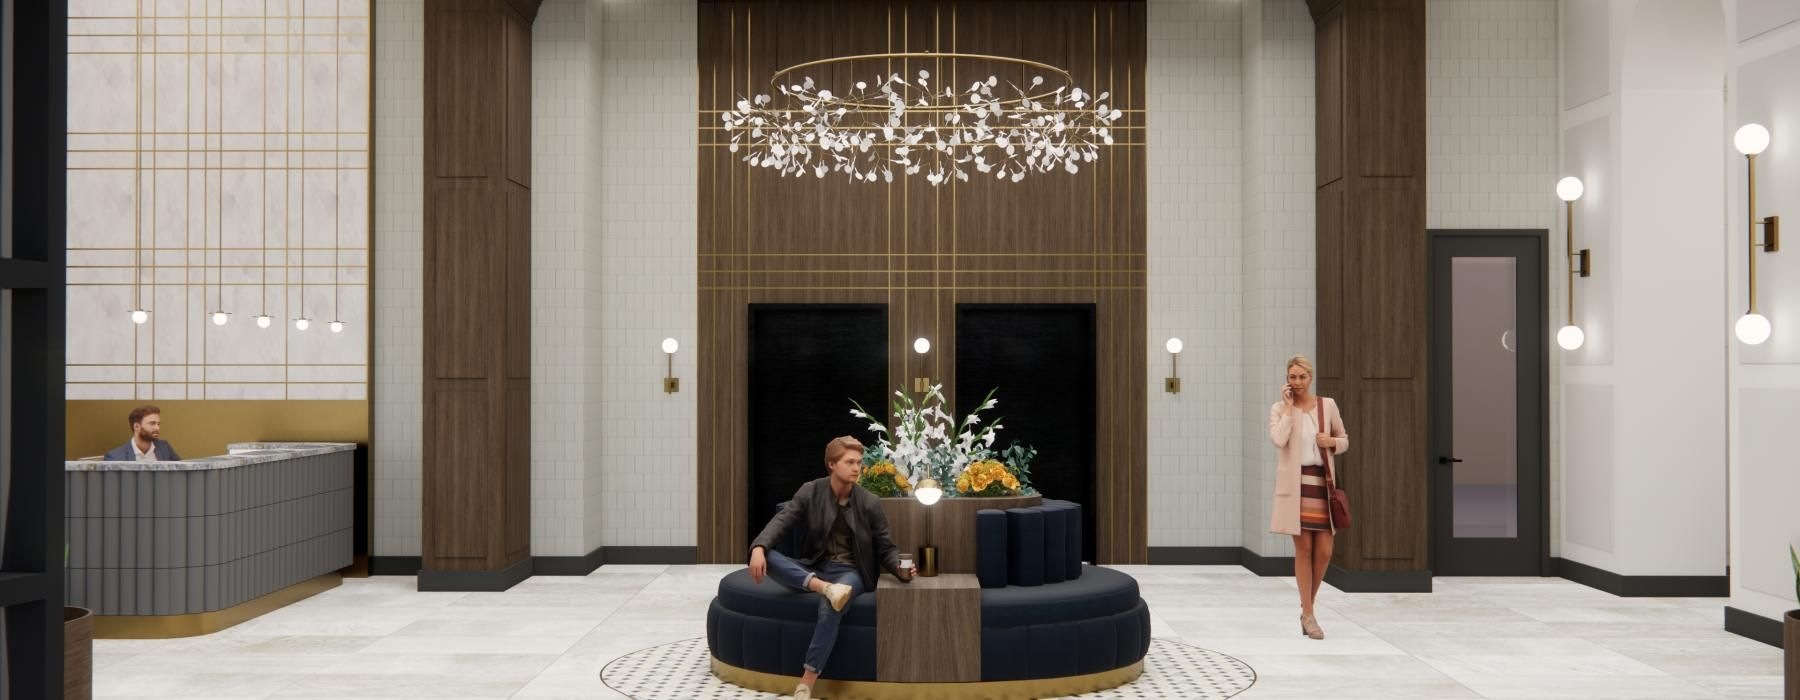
pixel 1310 627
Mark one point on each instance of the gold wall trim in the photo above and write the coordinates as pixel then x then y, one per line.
pixel 193 625
pixel 879 690
pixel 202 428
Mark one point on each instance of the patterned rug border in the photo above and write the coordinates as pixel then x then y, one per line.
pixel 1143 687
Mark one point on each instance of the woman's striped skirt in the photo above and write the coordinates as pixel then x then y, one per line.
pixel 1315 499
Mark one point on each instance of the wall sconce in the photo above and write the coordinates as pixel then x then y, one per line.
pixel 921 384
pixel 1173 383
pixel 1751 139
pixel 1568 190
pixel 670 383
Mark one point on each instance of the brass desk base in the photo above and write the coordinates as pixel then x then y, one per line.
pixel 877 690
pixel 196 624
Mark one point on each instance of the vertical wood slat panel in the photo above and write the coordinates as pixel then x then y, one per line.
pixel 476 388
pixel 915 240
pixel 462 80
pixel 1371 270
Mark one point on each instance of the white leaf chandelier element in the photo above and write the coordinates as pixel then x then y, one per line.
pixel 904 124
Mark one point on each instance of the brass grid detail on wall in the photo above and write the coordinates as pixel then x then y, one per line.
pixel 807 216
pixel 154 38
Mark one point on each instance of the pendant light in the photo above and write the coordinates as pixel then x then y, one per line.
pixel 139 315
pixel 219 316
pixel 337 186
pixel 263 320
pixel 301 322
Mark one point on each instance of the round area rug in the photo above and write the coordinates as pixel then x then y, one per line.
pixel 1172 671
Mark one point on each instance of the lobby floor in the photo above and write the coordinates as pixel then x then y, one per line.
pixel 550 636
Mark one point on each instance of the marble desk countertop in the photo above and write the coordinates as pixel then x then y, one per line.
pixel 242 454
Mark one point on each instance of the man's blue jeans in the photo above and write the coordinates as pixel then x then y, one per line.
pixel 793 574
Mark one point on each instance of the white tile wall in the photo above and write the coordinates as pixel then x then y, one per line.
pixel 1194 244
pixel 593 479
pixel 1491 108
pixel 399 273
pixel 564 431
pixel 647 274
pixel 1230 240
pixel 1278 269
pixel 189 158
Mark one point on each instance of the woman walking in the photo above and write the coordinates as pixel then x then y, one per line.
pixel 1307 430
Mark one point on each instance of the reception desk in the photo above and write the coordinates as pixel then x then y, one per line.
pixel 164 549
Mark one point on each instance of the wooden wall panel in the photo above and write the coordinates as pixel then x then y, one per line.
pixel 1388 260
pixel 1329 307
pixel 466 220
pixel 1328 73
pixel 459 460
pixel 517 128
pixel 476 392
pixel 515 286
pixel 462 82
pixel 1371 271
pixel 1054 238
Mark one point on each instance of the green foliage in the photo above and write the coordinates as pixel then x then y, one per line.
pixel 1017 459
pixel 1796 558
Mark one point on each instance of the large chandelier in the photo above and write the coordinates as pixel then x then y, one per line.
pixel 894 123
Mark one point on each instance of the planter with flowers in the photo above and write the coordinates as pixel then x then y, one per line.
pixel 928 454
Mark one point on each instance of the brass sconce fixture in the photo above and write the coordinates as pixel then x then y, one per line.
pixel 1172 384
pixel 1751 139
pixel 921 384
pixel 670 383
pixel 1569 189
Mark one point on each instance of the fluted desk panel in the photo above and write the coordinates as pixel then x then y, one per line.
pixel 201 535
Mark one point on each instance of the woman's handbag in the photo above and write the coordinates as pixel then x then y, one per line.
pixel 1340 501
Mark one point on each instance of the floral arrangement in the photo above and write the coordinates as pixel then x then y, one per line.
pixel 987 478
pixel 883 479
pixel 928 442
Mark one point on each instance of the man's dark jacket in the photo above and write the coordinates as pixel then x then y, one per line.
pixel 814 508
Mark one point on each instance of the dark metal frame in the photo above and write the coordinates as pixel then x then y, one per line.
pixel 1090 512
pixel 751 311
pixel 35 54
pixel 1533 299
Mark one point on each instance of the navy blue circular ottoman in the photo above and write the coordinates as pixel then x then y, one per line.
pixel 1083 627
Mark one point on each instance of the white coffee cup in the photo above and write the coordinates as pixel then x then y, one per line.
pixel 906 563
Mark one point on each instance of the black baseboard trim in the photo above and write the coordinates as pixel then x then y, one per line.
pixel 1754 626
pixel 1266 566
pixel 485 581
pixel 1642 586
pixel 650 555
pixel 1197 556
pixel 569 566
pixel 394 566
pixel 1378 581
pixel 1223 556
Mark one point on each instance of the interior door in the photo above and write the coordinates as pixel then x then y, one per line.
pixel 1041 359
pixel 806 363
pixel 1488 413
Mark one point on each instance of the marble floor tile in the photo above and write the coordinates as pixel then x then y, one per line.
pixel 1530 687
pixel 550 637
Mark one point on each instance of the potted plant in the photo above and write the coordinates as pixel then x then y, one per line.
pixel 78 648
pixel 1790 637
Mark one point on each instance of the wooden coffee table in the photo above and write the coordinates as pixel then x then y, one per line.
pixel 928 631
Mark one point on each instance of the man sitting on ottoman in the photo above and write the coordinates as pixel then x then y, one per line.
pixel 846 537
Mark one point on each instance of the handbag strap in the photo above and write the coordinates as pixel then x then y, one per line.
pixel 1330 480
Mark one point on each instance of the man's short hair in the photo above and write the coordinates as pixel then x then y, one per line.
pixel 138 414
pixel 839 445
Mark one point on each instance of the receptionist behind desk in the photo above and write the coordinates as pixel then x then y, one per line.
pixel 145 444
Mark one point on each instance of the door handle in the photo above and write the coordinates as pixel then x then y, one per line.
pixel 1449 460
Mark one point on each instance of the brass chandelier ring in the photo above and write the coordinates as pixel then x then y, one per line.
pixel 776 82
